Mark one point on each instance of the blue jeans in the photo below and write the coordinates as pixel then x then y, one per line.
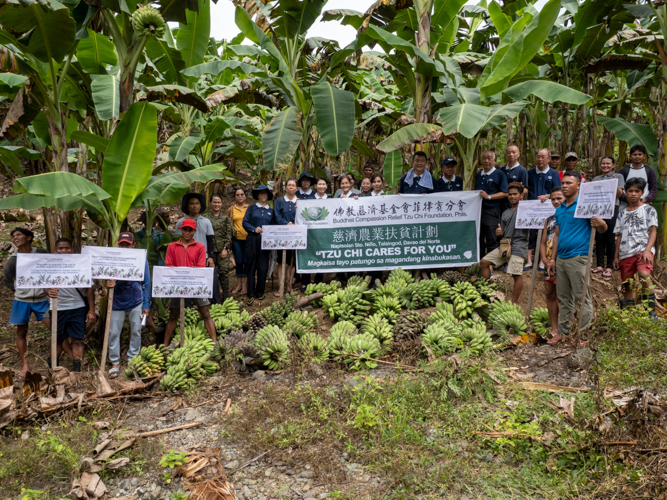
pixel 238 247
pixel 115 329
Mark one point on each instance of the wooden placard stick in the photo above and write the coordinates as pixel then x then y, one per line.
pixel 54 333
pixel 587 280
pixel 107 325
pixel 182 306
pixel 282 273
pixel 536 265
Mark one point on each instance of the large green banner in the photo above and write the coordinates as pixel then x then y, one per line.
pixel 385 232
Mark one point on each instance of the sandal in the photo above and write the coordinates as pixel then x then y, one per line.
pixel 607 273
pixel 261 297
pixel 114 372
pixel 251 301
pixel 555 340
pixel 597 270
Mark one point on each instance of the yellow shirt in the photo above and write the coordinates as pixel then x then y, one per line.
pixel 237 220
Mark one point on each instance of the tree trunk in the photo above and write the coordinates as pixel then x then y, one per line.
pixel 50 228
pixel 126 92
pixel 423 112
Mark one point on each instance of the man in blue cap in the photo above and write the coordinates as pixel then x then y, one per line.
pixel 448 182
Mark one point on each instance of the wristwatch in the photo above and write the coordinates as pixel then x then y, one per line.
pixel 489 196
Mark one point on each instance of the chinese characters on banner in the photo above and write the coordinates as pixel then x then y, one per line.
pixel 373 233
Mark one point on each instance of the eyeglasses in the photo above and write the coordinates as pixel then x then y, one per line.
pixel 240 194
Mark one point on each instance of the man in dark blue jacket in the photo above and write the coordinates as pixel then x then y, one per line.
pixel 448 182
pixel 541 180
pixel 130 297
pixel 492 185
pixel 418 180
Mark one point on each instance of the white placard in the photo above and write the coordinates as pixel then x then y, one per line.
pixel 186 282
pixel 284 237
pixel 52 270
pixel 597 199
pixel 531 214
pixel 110 263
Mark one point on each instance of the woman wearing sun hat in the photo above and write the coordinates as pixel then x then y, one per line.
pixel 258 215
pixel 304 184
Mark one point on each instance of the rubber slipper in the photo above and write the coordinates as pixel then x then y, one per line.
pixel 113 372
pixel 607 273
pixel 555 340
pixel 597 270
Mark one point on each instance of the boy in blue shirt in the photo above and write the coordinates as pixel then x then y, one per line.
pixel 492 185
pixel 570 256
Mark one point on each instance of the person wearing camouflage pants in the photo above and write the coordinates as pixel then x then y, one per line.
pixel 223 228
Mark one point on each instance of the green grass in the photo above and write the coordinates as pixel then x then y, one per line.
pixel 47 461
pixel 420 431
pixel 631 350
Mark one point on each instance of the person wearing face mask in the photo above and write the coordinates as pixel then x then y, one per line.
pixel 418 180
pixel 492 185
pixel 27 301
pixel 605 243
pixel 285 214
pixel 304 184
pixel 258 215
pixel 222 241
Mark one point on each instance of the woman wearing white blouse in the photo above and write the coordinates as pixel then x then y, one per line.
pixel 377 182
pixel 321 188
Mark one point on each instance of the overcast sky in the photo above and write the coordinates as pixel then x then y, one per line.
pixel 223 25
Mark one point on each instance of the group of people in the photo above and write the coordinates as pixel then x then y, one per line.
pixel 209 237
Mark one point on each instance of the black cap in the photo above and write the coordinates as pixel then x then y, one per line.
pixel 448 160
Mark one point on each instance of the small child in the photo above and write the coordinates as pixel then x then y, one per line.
pixel 518 242
pixel 546 249
pixel 636 231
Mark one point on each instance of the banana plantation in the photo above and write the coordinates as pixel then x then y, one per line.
pixel 432 385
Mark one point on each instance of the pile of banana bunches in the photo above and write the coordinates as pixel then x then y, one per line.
pixel 369 321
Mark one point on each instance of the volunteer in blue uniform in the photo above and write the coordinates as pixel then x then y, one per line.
pixel 492 184
pixel 541 180
pixel 257 216
pixel 418 180
pixel 285 214
pixel 305 191
pixel 448 182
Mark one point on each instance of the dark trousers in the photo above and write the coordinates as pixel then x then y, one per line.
pixel 605 243
pixel 257 264
pixel 532 239
pixel 216 289
pixel 488 241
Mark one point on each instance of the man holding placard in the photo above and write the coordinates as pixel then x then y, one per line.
pixel 571 246
pixel 187 252
pixel 75 308
pixel 27 301
pixel 133 298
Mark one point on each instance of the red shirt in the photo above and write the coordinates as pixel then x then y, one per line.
pixel 178 255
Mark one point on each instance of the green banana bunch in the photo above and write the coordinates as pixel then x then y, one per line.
pixel 345 327
pixel 147 21
pixel 379 328
pixel 298 323
pixel 338 341
pixel 387 307
pixel 442 338
pixel 324 288
pixel 444 313
pixel 475 336
pixel 365 349
pixel 510 322
pixel 486 288
pixel 466 299
pixel 399 278
pixel 314 347
pixel 273 346
pixel 191 317
pixel 540 321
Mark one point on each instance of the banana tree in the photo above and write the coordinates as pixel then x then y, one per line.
pixel 313 104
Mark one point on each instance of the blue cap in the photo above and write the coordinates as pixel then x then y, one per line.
pixel 448 160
